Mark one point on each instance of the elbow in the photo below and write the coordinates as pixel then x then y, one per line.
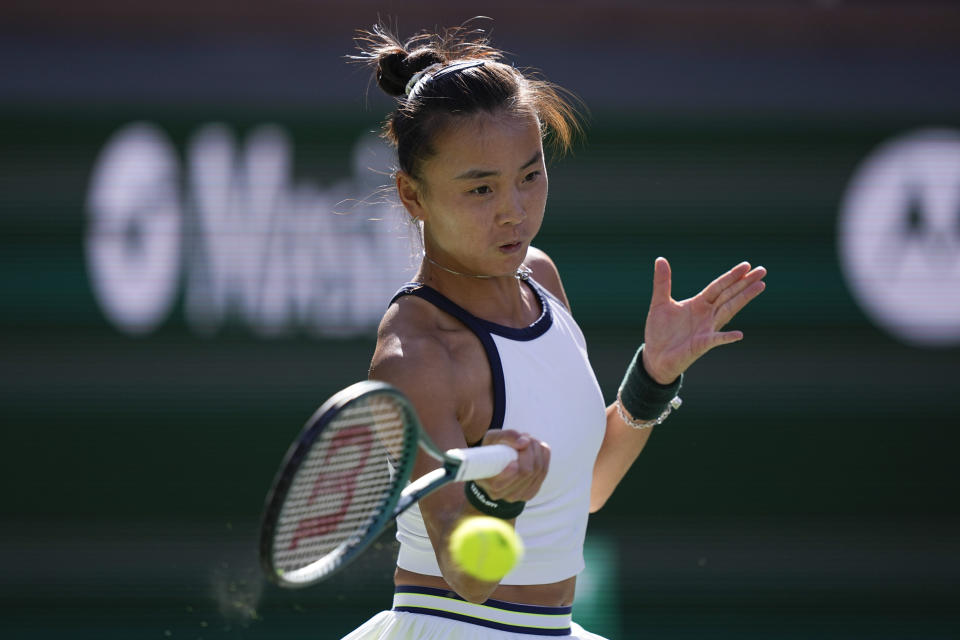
pixel 600 489
pixel 598 497
pixel 596 504
pixel 472 590
pixel 474 596
pixel 467 587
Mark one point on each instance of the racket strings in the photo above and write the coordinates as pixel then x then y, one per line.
pixel 343 485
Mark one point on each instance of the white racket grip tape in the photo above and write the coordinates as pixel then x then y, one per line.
pixel 482 462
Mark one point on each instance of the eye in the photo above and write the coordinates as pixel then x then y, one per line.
pixel 530 177
pixel 481 190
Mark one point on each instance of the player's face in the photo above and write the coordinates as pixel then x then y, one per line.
pixel 485 195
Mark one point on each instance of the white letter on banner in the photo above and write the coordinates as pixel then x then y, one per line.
pixel 134 228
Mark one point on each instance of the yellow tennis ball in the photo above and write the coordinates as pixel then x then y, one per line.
pixel 486 548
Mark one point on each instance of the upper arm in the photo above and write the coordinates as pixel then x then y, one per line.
pixel 419 365
pixel 545 272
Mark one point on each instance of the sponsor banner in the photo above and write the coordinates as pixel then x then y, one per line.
pixel 244 241
pixel 899 237
pixel 286 227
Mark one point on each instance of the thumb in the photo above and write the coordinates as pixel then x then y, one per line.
pixel 508 437
pixel 661 282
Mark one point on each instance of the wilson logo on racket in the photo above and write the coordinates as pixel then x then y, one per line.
pixel 341 481
pixel 347 476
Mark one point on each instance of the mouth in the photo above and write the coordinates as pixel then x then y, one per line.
pixel 511 247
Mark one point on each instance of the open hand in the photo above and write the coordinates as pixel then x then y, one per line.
pixel 678 333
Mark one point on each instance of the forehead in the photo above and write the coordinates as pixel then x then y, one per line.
pixel 485 141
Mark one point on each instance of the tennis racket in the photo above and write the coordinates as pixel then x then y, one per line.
pixel 345 479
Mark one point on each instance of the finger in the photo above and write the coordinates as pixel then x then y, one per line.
pixel 730 292
pixel 733 306
pixel 523 476
pixel 661 282
pixel 536 475
pixel 715 288
pixel 508 437
pixel 496 485
pixel 501 485
pixel 506 486
pixel 526 459
pixel 725 337
pixel 718 339
pixel 530 483
pixel 515 490
pixel 532 471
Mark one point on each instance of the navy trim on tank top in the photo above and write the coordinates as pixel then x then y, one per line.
pixel 482 329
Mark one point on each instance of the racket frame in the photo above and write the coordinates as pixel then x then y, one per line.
pixel 457 465
pixel 314 427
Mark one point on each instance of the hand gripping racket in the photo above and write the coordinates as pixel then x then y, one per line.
pixel 345 479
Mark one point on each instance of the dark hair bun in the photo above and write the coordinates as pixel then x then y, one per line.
pixel 395 68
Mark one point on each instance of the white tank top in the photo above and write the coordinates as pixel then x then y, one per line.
pixel 543 385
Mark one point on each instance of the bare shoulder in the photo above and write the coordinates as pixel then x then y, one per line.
pixel 545 272
pixel 413 355
pixel 410 353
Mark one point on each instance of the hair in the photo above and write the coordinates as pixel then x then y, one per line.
pixel 491 87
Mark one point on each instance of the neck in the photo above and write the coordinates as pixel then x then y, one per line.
pixel 522 273
pixel 499 299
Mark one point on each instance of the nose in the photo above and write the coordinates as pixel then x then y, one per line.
pixel 512 209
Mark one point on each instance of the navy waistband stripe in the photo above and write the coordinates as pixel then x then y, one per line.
pixel 490 624
pixel 499 604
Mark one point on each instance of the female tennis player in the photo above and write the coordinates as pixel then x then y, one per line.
pixel 484 344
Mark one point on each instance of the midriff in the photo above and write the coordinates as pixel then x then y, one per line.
pixel 556 594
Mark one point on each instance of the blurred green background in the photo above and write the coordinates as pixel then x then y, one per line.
pixel 805 489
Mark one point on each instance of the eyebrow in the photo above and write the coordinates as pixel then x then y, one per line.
pixel 476 174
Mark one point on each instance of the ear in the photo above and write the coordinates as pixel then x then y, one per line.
pixel 411 195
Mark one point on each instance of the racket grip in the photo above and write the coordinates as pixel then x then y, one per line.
pixel 482 462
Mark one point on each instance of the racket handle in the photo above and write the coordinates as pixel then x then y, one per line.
pixel 482 462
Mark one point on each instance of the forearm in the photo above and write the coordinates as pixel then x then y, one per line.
pixel 642 402
pixel 621 446
pixel 440 526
